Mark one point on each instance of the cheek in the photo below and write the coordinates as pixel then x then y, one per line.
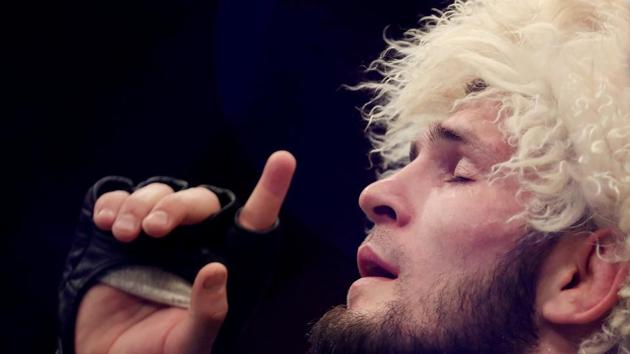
pixel 468 227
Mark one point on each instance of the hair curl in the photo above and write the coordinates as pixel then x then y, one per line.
pixel 561 71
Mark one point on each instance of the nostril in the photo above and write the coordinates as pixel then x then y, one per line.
pixel 369 224
pixel 384 210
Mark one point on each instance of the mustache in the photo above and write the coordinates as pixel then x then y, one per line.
pixel 382 239
pixel 377 235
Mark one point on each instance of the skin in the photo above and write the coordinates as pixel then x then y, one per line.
pixel 437 217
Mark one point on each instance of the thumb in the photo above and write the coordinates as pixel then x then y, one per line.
pixel 263 206
pixel 208 308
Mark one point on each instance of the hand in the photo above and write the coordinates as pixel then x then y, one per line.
pixel 111 321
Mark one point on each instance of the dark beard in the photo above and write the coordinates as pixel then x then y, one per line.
pixel 483 314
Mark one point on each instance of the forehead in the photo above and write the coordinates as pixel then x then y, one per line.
pixel 481 121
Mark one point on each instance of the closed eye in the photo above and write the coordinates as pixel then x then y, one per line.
pixel 464 172
pixel 459 179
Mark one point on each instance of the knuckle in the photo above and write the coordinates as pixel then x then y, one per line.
pixel 134 205
pixel 173 202
pixel 110 199
pixel 145 198
pixel 218 314
pixel 206 195
pixel 156 187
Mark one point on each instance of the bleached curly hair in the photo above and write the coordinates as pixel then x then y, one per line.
pixel 561 69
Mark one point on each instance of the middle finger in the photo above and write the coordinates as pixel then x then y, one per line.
pixel 127 225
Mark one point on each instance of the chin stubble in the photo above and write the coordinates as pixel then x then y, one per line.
pixel 482 313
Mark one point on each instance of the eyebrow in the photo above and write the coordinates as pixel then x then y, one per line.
pixel 438 132
pixel 476 85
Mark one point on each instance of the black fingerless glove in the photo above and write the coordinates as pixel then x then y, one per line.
pixel 247 255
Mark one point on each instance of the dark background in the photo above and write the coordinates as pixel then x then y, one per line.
pixel 201 90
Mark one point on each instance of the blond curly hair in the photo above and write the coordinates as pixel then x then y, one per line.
pixel 561 69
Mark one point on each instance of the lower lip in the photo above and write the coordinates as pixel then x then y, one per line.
pixel 370 280
pixel 356 287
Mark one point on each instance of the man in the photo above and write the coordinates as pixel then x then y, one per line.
pixel 501 220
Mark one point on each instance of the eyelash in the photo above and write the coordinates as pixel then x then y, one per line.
pixel 459 179
pixel 453 178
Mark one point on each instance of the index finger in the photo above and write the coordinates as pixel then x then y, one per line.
pixel 263 206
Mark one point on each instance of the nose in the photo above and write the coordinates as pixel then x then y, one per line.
pixel 384 202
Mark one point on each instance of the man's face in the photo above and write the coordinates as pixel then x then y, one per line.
pixel 439 217
pixel 441 250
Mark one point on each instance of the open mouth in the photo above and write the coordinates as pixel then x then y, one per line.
pixel 372 265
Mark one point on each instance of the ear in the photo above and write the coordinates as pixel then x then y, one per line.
pixel 582 282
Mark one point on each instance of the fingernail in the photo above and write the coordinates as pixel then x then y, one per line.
pixel 212 285
pixel 158 218
pixel 105 213
pixel 126 223
pixel 215 282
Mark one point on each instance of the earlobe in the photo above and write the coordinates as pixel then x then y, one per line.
pixel 585 285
